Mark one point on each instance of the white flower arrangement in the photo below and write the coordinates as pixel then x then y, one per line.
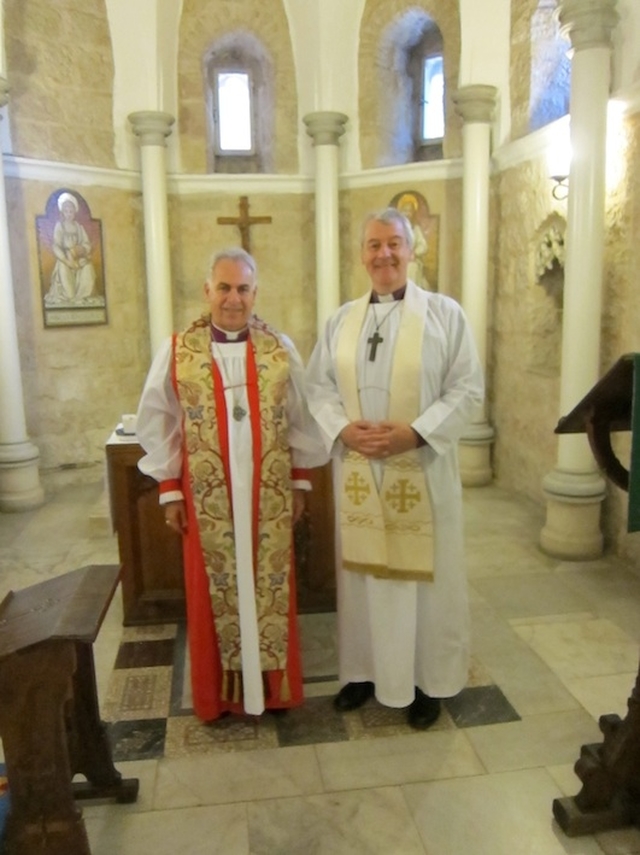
pixel 550 251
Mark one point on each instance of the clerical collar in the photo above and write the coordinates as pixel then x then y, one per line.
pixel 227 335
pixel 388 298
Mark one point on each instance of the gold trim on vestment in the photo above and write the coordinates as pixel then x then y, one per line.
pixel 194 376
pixel 386 533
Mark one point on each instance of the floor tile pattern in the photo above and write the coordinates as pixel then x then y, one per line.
pixel 554 646
pixel 147 686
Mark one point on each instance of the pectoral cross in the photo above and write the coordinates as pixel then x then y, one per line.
pixel 374 341
pixel 243 222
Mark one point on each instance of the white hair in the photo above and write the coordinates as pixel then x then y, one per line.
pixel 235 253
pixel 388 216
pixel 67 197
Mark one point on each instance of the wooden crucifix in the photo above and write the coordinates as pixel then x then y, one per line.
pixel 243 222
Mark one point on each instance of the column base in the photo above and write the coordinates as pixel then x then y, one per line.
pixel 20 488
pixel 474 454
pixel 572 529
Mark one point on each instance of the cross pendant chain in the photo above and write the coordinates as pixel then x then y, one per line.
pixel 374 341
pixel 238 411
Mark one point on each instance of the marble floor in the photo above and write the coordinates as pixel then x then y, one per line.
pixel 555 645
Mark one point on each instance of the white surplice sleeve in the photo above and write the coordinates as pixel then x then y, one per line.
pixel 453 381
pixel 159 423
pixel 305 439
pixel 325 403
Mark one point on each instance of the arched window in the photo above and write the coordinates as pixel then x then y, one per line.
pixel 233 120
pixel 413 88
pixel 240 105
pixel 426 69
pixel 550 68
pixel 433 99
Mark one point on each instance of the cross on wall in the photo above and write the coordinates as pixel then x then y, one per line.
pixel 244 222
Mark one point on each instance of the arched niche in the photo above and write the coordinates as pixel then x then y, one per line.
pixel 545 295
pixel 202 25
pixel 388 31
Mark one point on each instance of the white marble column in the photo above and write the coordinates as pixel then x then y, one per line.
pixel 476 105
pixel 20 487
pixel 326 128
pixel 152 128
pixel 574 490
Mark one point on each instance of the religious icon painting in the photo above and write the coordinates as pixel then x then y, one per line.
pixel 71 262
pixel 423 269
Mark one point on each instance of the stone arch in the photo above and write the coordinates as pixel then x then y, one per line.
pixel 388 29
pixel 204 24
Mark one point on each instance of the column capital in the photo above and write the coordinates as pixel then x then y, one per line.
pixel 151 126
pixel 588 23
pixel 476 103
pixel 4 91
pixel 326 127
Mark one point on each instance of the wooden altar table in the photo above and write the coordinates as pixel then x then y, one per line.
pixel 151 553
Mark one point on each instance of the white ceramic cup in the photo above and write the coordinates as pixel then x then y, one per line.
pixel 129 423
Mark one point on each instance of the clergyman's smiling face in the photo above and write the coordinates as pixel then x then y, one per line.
pixel 386 255
pixel 231 292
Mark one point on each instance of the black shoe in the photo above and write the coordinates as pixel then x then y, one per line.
pixel 424 711
pixel 353 695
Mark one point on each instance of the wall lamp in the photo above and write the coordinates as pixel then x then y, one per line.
pixel 560 189
pixel 558 157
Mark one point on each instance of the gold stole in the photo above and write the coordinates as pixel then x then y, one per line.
pixel 386 533
pixel 206 467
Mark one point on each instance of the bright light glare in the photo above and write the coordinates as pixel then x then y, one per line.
pixel 234 111
pixel 559 152
pixel 433 96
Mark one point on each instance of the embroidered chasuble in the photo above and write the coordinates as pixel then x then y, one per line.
pixel 199 386
pixel 386 532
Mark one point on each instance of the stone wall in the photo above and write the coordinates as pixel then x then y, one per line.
pixel 525 325
pixel 60 78
pixel 78 380
pixel 621 305
pixel 201 23
pixel 523 355
pixel 284 251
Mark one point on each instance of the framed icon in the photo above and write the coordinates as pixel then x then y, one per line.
pixel 423 268
pixel 71 262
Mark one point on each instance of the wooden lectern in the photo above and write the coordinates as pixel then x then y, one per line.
pixel 610 772
pixel 49 720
